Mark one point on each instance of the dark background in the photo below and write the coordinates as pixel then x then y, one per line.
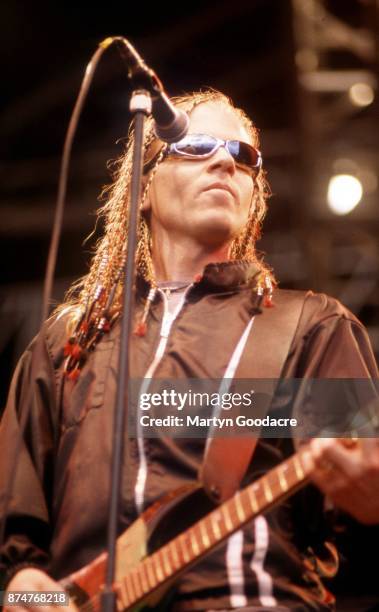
pixel 289 64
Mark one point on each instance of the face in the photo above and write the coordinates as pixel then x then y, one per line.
pixel 208 200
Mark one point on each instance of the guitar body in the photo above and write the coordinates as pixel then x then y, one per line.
pixel 172 514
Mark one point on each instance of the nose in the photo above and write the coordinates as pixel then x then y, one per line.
pixel 222 160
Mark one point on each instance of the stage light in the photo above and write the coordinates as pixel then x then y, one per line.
pixel 344 193
pixel 361 94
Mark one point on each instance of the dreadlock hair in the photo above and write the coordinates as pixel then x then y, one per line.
pixel 95 300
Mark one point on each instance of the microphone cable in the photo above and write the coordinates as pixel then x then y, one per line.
pixel 50 268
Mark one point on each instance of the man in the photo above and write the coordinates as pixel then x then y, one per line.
pixel 199 286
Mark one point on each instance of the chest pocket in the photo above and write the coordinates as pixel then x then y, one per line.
pixel 88 392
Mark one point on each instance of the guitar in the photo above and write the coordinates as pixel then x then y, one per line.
pixel 141 578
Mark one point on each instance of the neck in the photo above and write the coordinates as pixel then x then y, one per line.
pixel 182 260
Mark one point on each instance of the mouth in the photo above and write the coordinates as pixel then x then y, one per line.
pixel 223 186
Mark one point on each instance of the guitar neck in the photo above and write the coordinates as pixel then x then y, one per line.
pixel 170 560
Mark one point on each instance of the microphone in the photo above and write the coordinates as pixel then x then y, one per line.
pixel 170 123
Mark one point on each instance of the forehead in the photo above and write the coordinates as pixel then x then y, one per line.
pixel 219 120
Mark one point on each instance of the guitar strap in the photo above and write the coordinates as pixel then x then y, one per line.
pixel 226 459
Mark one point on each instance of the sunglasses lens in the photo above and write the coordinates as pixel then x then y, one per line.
pixel 196 145
pixel 244 153
pixel 202 145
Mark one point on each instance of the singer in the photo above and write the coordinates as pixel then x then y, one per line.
pixel 200 288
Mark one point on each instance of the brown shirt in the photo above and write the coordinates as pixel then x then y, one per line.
pixel 59 504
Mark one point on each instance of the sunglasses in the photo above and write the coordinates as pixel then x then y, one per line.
pixel 202 146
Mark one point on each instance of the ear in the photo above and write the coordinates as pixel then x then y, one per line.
pixel 145 203
pixel 149 167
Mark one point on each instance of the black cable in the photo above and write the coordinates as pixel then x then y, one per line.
pixel 50 265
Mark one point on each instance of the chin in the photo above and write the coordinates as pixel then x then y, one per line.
pixel 217 230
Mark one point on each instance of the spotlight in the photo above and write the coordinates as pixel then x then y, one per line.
pixel 344 193
pixel 361 94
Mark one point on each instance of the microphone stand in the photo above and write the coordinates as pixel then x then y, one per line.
pixel 140 107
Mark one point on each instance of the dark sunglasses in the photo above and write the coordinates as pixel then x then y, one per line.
pixel 201 146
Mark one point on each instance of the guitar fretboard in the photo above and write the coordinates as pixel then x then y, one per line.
pixel 207 533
